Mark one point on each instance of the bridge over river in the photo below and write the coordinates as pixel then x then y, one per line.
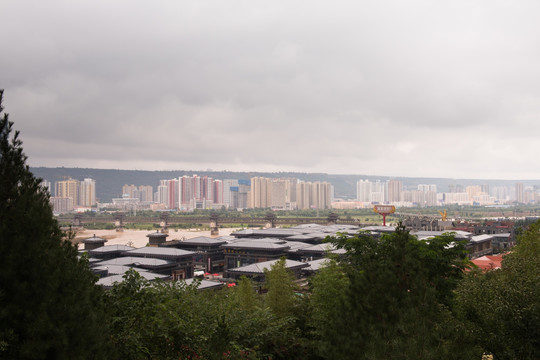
pixel 213 221
pixel 165 220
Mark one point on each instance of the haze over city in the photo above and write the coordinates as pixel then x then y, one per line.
pixel 416 88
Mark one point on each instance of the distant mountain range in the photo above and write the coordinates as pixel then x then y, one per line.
pixel 109 182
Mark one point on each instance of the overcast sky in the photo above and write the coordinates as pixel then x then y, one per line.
pixel 395 88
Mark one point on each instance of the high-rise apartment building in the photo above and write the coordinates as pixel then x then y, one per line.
pixel 61 205
pixel 500 193
pixel 242 196
pixel 473 191
pixel 227 195
pixel 363 190
pixel 259 196
pixel 69 188
pixel 87 195
pixel 272 193
pixel 162 193
pixel 519 193
pixel 129 190
pixel 172 194
pixel 427 187
pixel 218 191
pixel 374 192
pixel 395 188
pixel 145 193
pixel 313 195
pixel 197 192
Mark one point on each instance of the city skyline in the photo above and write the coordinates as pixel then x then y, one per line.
pixel 414 89
pixel 187 193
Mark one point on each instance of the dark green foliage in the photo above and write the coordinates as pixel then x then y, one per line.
pixel 502 307
pixel 48 300
pixel 281 297
pixel 176 321
pixel 390 298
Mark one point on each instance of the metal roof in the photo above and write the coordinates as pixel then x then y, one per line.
pixel 260 245
pixel 158 251
pixel 203 240
pixel 110 248
pixel 109 281
pixel 457 234
pixel 297 245
pixel 137 261
pixel 205 284
pixel 319 248
pixel 119 269
pixel 258 268
pixel 480 238
pixel 94 239
pixel 379 228
pixel 157 234
pixel 315 265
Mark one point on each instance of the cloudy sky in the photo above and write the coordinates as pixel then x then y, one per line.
pixel 396 88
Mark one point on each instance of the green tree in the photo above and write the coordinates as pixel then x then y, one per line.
pixel 502 307
pixel 49 304
pixel 390 298
pixel 281 296
pixel 171 320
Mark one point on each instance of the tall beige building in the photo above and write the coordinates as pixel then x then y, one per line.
pixel 68 189
pixel 259 196
pixel 146 193
pixel 271 193
pixel 313 195
pixel 129 190
pixel 473 191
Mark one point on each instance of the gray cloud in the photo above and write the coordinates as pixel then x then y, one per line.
pixel 391 88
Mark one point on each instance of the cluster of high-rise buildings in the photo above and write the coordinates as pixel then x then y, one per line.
pixel 187 193
pixel 393 192
pixel 71 194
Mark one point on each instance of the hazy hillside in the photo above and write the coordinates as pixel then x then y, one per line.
pixel 109 182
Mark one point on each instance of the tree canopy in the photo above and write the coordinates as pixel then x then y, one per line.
pixel 502 307
pixel 389 298
pixel 49 305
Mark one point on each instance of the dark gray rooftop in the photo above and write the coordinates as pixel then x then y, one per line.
pixel 205 284
pixel 481 238
pixel 258 268
pixel 157 234
pixel 137 261
pixel 379 228
pixel 458 234
pixel 319 248
pixel 110 248
pixel 203 240
pixel 315 265
pixel 158 251
pixel 255 245
pixel 296 245
pixel 109 281
pixel 120 269
pixel 94 239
